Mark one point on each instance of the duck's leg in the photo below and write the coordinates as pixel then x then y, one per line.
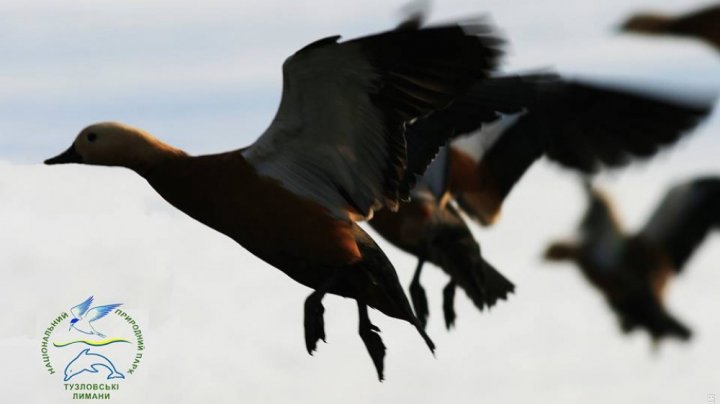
pixel 370 335
pixel 418 295
pixel 314 322
pixel 449 304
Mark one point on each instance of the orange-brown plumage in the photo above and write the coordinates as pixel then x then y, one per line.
pixel 438 234
pixel 335 152
pixel 405 227
pixel 224 192
pixel 472 182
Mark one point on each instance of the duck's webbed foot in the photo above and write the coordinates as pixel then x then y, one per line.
pixel 370 335
pixel 449 304
pixel 418 296
pixel 314 322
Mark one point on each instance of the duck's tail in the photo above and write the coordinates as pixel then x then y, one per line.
pixel 645 311
pixel 384 291
pixel 660 325
pixel 482 283
pixel 668 326
pixel 497 286
pixel 455 250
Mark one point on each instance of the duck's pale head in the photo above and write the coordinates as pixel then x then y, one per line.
pixel 115 144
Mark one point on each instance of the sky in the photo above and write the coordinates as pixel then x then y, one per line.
pixel 222 326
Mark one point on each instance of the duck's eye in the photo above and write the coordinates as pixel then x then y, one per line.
pixel 91 137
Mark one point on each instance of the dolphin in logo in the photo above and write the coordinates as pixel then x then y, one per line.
pixel 83 316
pixel 87 361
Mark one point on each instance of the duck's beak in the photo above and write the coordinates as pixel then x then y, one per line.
pixel 68 156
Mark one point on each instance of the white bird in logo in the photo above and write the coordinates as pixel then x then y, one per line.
pixel 83 316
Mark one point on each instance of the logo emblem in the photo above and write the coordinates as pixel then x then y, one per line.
pixel 90 362
pixel 84 316
pixel 97 346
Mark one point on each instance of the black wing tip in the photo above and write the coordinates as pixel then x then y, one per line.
pixel 619 122
pixel 693 101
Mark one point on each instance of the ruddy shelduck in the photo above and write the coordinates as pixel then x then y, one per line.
pixel 632 270
pixel 580 125
pixel 702 24
pixel 334 153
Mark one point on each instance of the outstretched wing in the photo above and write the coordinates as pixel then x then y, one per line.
pixel 484 103
pixel 338 137
pixel 80 310
pixel 587 126
pixel 582 126
pixel 685 216
pixel 99 312
pixel 600 222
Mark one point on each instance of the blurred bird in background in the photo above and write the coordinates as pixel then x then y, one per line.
pixel 632 270
pixel 703 24
pixel 581 125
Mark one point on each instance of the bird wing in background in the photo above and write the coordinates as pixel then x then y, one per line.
pixel 684 217
pixel 703 23
pixel 579 125
pixel 80 310
pixel 601 229
pixel 348 103
pixel 99 312
pixel 485 103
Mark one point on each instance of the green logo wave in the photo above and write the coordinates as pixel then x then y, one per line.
pixel 101 342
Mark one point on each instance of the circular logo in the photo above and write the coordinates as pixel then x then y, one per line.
pixel 92 348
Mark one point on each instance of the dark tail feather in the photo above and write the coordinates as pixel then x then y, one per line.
pixel 455 250
pixel 496 285
pixel 652 316
pixel 662 324
pixel 482 283
pixel 388 295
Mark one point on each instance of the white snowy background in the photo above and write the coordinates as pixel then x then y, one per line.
pixel 222 326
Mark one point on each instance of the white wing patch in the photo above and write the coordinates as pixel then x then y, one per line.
pixel 478 143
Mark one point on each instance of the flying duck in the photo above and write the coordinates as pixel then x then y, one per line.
pixel 580 125
pixel 703 24
pixel 632 270
pixel 438 234
pixel 334 154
